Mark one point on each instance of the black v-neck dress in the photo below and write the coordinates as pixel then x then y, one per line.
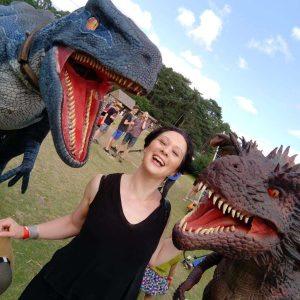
pixel 107 259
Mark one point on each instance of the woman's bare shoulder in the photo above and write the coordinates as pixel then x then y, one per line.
pixel 92 187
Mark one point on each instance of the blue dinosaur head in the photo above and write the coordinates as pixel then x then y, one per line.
pixel 86 53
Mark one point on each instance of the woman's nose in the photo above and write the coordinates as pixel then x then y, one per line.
pixel 164 150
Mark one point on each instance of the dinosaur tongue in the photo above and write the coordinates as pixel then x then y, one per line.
pixel 211 217
pixel 80 105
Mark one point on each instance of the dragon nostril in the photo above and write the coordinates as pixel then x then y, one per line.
pixel 235 166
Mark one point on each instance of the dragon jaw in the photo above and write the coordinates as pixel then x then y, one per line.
pixel 218 225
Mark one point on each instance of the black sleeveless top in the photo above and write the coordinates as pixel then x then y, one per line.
pixel 107 259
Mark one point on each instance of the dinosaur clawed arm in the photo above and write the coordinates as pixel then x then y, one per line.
pixel 24 141
pixel 195 276
pixel 31 150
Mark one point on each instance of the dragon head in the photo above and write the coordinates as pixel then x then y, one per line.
pixel 251 208
pixel 85 53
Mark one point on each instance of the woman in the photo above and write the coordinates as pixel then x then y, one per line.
pixel 117 227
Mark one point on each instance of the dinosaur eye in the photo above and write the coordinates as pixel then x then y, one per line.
pixel 92 23
pixel 274 193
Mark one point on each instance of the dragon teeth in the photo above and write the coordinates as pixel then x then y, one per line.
pixel 232 228
pixel 233 213
pixel 246 220
pixel 238 214
pixel 220 203
pixel 224 208
pixel 241 217
pixel 181 223
pixel 229 209
pixel 198 230
pixel 215 199
pixel 209 193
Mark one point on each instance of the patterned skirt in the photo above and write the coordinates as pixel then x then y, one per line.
pixel 154 284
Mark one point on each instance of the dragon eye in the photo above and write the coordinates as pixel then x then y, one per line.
pixel 92 23
pixel 274 193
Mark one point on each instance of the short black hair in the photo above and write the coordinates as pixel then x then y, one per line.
pixel 185 165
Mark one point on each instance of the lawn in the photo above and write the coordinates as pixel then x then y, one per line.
pixel 54 190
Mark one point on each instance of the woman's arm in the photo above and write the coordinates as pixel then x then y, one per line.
pixel 144 124
pixel 164 252
pixel 60 228
pixel 172 270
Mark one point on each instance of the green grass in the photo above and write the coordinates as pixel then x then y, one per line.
pixel 54 190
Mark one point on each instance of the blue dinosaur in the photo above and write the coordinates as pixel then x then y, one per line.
pixel 55 72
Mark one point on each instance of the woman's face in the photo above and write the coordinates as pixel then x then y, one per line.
pixel 164 154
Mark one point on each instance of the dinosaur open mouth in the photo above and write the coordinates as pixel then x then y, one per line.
pixel 216 215
pixel 85 81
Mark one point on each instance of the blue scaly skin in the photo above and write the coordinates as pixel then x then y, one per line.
pixel 77 59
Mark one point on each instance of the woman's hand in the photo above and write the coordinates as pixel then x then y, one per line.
pixel 10 228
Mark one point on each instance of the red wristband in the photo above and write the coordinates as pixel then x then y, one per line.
pixel 170 279
pixel 26 234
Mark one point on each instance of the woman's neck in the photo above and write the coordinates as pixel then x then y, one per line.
pixel 142 185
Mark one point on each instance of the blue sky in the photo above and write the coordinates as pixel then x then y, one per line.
pixel 246 56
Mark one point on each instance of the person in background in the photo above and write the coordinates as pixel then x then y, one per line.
pixel 108 118
pixel 126 121
pixel 169 183
pixel 132 135
pixel 193 191
pixel 157 280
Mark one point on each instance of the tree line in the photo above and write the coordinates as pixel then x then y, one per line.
pixel 174 101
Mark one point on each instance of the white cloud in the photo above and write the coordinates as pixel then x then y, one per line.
pixel 194 60
pixel 296 33
pixel 142 18
pixel 208 30
pixel 208 87
pixel 68 5
pixel 242 63
pixel 295 133
pixel 185 17
pixel 226 10
pixel 246 104
pixel 271 46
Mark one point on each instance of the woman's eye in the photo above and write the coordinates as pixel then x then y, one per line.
pixel 175 153
pixel 92 24
pixel 162 142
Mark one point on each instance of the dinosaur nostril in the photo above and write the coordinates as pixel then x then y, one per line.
pixel 235 166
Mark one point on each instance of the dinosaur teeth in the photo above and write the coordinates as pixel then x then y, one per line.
pixel 200 186
pixel 216 229
pixel 209 193
pixel 246 220
pixel 238 214
pixel 233 213
pixel 224 208
pixel 220 203
pixel 198 230
pixel 215 199
pixel 232 228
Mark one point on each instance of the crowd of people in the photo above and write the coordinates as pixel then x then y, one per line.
pixel 132 124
